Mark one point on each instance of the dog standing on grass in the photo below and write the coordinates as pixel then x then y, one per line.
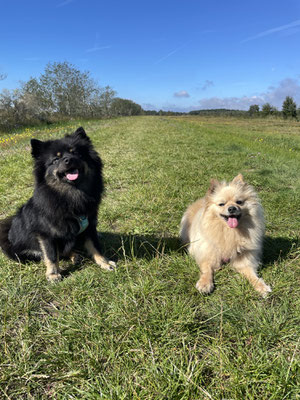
pixel 226 226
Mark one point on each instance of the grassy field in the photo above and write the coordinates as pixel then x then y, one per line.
pixel 143 331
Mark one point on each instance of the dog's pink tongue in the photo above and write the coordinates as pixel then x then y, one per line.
pixel 73 176
pixel 232 222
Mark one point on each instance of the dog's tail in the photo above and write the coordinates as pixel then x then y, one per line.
pixel 5 244
pixel 184 230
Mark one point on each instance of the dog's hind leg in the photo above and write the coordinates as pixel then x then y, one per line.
pixel 50 257
pixel 76 258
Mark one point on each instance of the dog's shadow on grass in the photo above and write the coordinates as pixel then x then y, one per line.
pixel 124 246
pixel 277 249
pixel 118 247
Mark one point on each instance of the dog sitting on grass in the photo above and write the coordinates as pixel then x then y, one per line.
pixel 61 216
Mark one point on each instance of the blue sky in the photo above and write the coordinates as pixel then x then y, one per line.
pixel 178 55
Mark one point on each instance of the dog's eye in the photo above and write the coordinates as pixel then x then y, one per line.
pixel 239 202
pixel 55 160
pixel 221 204
pixel 75 152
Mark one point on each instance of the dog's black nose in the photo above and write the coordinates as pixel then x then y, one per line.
pixel 232 209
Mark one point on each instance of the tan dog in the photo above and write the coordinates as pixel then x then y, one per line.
pixel 227 225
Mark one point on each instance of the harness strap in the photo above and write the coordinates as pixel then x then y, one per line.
pixel 83 223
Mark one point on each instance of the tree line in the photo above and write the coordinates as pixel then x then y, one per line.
pixel 289 110
pixel 220 112
pixel 61 92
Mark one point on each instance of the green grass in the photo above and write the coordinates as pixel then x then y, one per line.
pixel 143 331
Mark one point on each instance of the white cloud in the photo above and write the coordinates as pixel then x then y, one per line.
pixel 181 94
pixel 286 87
pixel 207 84
pixel 275 95
pixel 175 107
pixel 232 103
pixel 149 106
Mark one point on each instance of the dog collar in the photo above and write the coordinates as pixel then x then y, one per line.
pixel 83 223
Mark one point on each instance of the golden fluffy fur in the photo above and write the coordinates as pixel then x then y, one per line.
pixel 227 225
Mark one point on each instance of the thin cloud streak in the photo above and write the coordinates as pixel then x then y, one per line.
pixel 274 30
pixel 171 53
pixel 97 48
pixel 64 3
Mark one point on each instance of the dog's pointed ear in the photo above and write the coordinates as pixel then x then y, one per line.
pixel 37 147
pixel 80 133
pixel 239 179
pixel 213 185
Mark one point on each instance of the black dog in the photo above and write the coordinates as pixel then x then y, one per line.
pixel 61 216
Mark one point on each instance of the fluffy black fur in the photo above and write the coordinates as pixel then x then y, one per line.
pixel 68 185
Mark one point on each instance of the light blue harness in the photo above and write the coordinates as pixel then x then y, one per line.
pixel 83 223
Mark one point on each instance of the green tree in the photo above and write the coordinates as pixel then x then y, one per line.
pixel 37 99
pixel 125 107
pixel 289 108
pixel 268 109
pixel 62 89
pixel 106 97
pixel 67 89
pixel 15 110
pixel 253 110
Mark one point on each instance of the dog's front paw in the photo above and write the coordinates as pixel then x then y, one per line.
pixel 54 277
pixel 108 265
pixel 262 288
pixel 205 286
pixel 112 265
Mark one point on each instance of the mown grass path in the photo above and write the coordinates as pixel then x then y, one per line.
pixel 144 332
